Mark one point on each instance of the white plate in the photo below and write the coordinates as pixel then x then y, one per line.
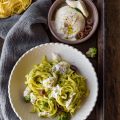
pixel 33 56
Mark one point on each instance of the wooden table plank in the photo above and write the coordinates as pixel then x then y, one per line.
pixel 112 61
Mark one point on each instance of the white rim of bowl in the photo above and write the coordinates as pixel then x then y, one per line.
pixel 52 44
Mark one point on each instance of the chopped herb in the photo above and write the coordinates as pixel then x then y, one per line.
pixel 91 52
pixel 77 9
pixel 64 116
pixel 27 98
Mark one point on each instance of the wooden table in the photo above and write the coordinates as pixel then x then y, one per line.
pixel 108 103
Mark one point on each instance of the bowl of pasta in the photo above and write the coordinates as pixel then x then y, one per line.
pixel 53 81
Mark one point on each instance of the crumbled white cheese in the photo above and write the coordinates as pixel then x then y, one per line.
pixel 56 57
pixel 56 91
pixel 26 91
pixel 43 113
pixel 69 101
pixel 49 82
pixel 61 67
pixel 33 98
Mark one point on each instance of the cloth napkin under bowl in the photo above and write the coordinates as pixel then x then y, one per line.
pixel 20 33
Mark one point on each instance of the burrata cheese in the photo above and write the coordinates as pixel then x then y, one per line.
pixel 69 22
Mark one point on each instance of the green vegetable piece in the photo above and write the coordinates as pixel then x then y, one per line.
pixel 45 104
pixel 91 52
pixel 64 116
pixel 27 98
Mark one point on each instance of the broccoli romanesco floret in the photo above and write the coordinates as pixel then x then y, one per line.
pixel 91 52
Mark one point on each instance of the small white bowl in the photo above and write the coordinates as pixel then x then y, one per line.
pixel 33 56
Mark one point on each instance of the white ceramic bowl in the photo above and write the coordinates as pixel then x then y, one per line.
pixel 33 56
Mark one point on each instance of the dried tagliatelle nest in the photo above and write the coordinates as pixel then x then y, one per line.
pixel 11 7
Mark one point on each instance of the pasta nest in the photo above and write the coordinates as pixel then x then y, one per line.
pixel 11 7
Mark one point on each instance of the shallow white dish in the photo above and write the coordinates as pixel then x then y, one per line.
pixel 33 56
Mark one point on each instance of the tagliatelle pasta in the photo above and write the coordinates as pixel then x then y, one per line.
pixel 11 7
pixel 52 86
